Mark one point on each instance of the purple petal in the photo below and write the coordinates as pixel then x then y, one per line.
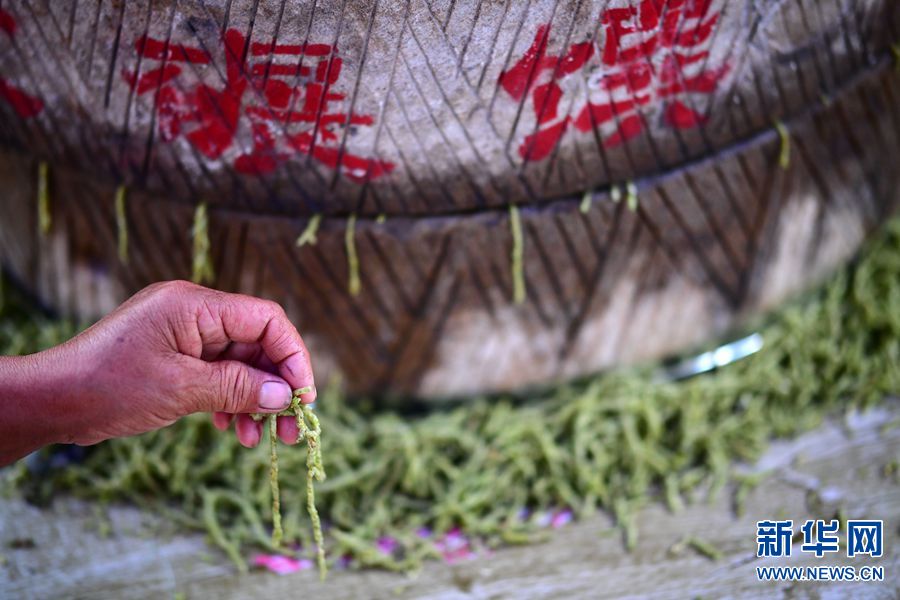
pixel 345 561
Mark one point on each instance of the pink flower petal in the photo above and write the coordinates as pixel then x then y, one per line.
pixel 543 519
pixel 454 546
pixel 280 564
pixel 458 555
pixel 387 545
pixel 560 518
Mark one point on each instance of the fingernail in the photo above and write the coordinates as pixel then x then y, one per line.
pixel 274 395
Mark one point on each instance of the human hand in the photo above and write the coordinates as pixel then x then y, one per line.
pixel 173 349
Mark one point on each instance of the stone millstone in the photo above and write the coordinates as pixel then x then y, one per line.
pixel 676 165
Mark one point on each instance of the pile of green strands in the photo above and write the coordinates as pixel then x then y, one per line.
pixel 614 442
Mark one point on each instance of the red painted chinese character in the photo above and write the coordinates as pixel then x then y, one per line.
pixel 653 55
pixel 284 118
pixel 525 77
pixel 25 105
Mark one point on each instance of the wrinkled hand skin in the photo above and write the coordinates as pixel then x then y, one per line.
pixel 173 349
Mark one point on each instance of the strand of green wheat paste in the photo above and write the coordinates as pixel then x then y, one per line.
pixel 353 282
pixel 202 271
pixel 586 199
pixel 517 255
pixel 277 531
pixel 231 544
pixel 703 547
pixel 784 153
pixel 45 218
pixel 314 470
pixel 631 196
pixel 615 194
pixel 309 234
pixel 214 528
pixel 122 224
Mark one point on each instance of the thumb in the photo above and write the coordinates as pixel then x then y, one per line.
pixel 235 387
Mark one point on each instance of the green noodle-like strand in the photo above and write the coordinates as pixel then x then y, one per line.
pixel 277 531
pixel 517 255
pixel 314 470
pixel 353 282
pixel 784 152
pixel 631 196
pixel 310 233
pixel 615 194
pixel 585 205
pixel 122 224
pixel 45 217
pixel 202 271
pixel 704 548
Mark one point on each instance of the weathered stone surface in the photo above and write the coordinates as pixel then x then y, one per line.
pixel 430 102
pixel 438 115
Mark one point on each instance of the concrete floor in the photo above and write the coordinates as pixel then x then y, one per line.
pixel 73 556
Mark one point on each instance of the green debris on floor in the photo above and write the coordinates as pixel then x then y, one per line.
pixel 614 442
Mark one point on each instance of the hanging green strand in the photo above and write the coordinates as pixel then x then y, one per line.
pixel 315 470
pixel 631 196
pixel 122 224
pixel 277 531
pixel 517 255
pixel 309 235
pixel 202 272
pixel 45 219
pixel 784 154
pixel 615 194
pixel 353 284
pixel 585 206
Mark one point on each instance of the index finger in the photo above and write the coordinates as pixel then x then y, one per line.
pixel 245 319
